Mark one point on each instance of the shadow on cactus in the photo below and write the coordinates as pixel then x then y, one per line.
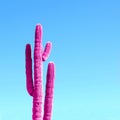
pixel 34 87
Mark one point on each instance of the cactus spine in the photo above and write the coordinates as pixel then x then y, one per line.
pixel 34 87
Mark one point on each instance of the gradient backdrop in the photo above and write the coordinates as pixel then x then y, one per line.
pixel 86 50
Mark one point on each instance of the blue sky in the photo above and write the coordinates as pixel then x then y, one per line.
pixel 86 50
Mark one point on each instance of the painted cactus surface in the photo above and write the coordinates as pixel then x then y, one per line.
pixel 34 87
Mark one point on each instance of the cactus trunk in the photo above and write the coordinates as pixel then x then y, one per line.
pixel 37 95
pixel 34 88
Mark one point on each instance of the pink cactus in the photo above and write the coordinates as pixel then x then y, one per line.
pixel 34 88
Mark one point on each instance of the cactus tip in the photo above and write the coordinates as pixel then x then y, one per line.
pixel 38 26
pixel 27 45
pixel 51 63
pixel 51 66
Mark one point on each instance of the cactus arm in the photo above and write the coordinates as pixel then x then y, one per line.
pixel 29 80
pixel 37 97
pixel 47 51
pixel 49 92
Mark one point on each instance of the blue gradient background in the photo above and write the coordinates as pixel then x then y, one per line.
pixel 86 50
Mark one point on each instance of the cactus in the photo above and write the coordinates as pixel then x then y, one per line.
pixel 34 87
